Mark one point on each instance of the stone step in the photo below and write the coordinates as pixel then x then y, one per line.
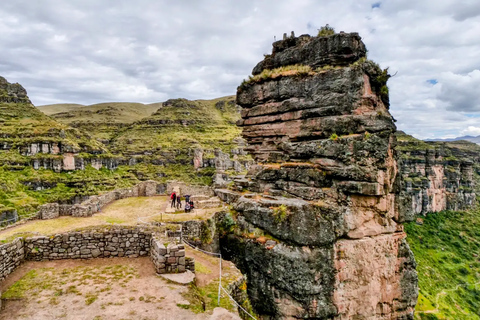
pixel 213 202
pixel 199 197
pixel 227 195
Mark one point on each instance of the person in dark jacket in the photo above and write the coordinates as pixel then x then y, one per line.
pixel 179 202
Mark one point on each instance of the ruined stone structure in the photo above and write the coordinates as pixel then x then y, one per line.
pixel 129 242
pixel 316 229
pixel 435 176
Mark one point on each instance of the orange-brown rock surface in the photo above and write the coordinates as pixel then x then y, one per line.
pixel 317 231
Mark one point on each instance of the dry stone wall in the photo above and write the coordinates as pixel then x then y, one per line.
pixel 129 242
pixel 317 231
pixel 122 242
pixel 169 258
pixel 12 254
pixel 94 204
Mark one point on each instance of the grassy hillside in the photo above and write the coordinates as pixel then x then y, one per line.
pixel 102 120
pixel 164 143
pixel 21 125
pixel 447 249
pixel 123 112
pixel 28 136
pixel 51 109
pixel 182 124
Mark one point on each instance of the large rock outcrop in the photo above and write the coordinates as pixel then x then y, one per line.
pixel 435 176
pixel 316 229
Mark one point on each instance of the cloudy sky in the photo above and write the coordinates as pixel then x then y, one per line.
pixel 90 51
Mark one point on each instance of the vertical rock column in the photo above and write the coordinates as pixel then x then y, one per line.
pixel 317 232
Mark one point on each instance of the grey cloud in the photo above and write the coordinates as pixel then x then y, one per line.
pixel 88 51
pixel 461 91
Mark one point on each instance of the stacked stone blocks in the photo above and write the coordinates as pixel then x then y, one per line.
pixel 12 254
pixel 167 258
pixel 129 242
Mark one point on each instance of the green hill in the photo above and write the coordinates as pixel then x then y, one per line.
pixel 38 157
pixel 447 248
pixel 102 120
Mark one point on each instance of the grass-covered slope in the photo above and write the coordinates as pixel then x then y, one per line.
pixel 102 120
pixel 182 124
pixel 29 138
pixel 163 144
pixel 447 250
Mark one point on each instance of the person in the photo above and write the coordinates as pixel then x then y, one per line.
pixel 191 205
pixel 187 207
pixel 179 202
pixel 174 199
pixel 187 198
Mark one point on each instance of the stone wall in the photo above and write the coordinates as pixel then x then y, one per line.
pixel 8 216
pixel 12 254
pixel 94 204
pixel 129 242
pixel 120 242
pixel 169 258
pixel 182 188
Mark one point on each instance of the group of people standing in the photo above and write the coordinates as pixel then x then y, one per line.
pixel 177 202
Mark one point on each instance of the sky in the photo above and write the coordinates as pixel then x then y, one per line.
pixel 91 51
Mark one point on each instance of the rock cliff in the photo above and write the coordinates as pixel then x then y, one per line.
pixel 315 226
pixel 435 176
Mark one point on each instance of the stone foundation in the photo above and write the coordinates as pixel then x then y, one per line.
pixel 129 242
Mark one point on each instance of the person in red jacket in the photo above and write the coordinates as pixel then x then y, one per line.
pixel 173 197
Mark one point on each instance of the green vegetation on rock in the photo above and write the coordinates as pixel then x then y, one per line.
pixel 447 248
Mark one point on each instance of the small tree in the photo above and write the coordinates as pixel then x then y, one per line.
pixel 325 31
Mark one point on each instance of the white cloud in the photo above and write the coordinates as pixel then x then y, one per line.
pixel 471 131
pixel 88 51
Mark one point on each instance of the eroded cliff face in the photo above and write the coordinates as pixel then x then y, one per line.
pixel 435 176
pixel 316 228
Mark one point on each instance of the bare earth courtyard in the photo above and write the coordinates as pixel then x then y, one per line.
pixel 112 288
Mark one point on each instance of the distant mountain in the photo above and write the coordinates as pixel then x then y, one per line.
pixel 467 138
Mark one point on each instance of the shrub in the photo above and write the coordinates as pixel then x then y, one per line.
pixel 325 31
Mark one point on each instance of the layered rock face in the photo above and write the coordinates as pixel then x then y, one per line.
pixel 435 176
pixel 316 227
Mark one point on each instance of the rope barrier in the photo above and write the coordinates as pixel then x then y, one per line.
pixel 220 287
pixel 218 255
pixel 236 303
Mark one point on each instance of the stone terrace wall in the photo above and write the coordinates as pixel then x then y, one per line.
pixel 129 242
pixel 12 254
pixel 89 244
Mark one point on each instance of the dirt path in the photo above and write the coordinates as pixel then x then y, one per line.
pixel 98 289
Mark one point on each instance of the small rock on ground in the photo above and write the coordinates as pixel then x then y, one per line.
pixel 180 278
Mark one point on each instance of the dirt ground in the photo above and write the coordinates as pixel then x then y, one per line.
pixel 101 289
pixel 113 288
pixel 129 211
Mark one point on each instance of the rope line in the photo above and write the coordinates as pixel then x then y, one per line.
pixel 238 304
pixel 220 287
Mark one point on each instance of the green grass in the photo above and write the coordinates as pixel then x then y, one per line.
pixel 16 192
pixel 446 248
